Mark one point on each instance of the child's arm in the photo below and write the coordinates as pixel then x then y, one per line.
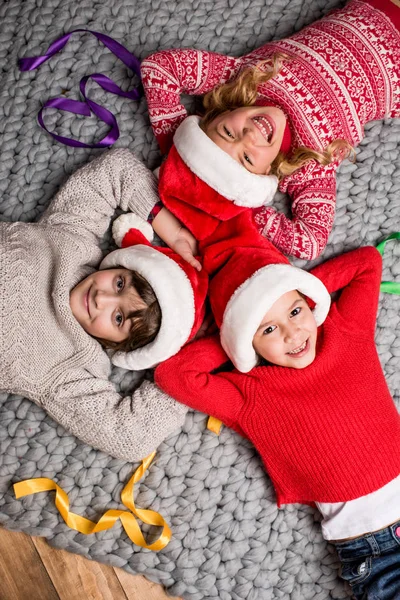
pixel 188 378
pixel 176 236
pixel 358 274
pixel 168 74
pixel 89 198
pixel 306 233
pixel 126 427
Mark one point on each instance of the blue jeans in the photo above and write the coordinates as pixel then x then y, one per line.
pixel 371 564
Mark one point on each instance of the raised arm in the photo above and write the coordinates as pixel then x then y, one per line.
pixel 188 378
pixel 88 200
pixel 306 233
pixel 168 74
pixel 176 236
pixel 358 274
pixel 126 427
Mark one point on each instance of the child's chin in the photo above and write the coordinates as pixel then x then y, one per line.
pixel 303 366
pixel 304 363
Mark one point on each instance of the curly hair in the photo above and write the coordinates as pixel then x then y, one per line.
pixel 146 322
pixel 243 91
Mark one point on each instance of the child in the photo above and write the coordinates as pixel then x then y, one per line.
pixel 313 400
pixel 289 111
pixel 54 304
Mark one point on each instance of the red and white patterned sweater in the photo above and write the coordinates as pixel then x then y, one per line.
pixel 344 71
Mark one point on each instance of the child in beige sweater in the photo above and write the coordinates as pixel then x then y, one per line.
pixel 54 303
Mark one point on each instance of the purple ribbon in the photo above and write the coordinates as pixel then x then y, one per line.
pixel 88 106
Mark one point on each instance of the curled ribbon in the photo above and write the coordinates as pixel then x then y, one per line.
pixel 214 425
pixel 88 106
pixel 128 520
pixel 390 287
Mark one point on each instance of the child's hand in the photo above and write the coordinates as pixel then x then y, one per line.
pixel 186 246
pixel 177 237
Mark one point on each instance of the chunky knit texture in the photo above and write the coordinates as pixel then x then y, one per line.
pixel 229 540
pixel 45 354
pixel 343 72
pixel 314 428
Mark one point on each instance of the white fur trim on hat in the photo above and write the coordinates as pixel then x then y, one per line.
pixel 127 221
pixel 250 301
pixel 175 295
pixel 219 170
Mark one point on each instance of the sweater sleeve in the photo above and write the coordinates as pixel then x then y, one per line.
pixel 358 275
pixel 89 198
pixel 125 427
pixel 168 74
pixel 188 378
pixel 306 233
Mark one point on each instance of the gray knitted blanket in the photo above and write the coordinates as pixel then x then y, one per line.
pixel 229 540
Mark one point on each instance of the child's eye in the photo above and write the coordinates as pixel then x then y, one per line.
pixel 228 133
pixel 120 283
pixel 295 312
pixel 269 329
pixel 247 159
pixel 119 319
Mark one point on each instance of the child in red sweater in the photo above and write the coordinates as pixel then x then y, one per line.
pixel 315 403
pixel 294 123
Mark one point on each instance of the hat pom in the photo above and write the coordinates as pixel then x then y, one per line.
pixel 124 223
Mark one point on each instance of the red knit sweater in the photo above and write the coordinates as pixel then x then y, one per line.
pixel 343 72
pixel 327 433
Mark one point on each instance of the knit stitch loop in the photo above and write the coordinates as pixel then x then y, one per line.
pixel 128 520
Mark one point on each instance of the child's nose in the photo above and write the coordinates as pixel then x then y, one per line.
pixel 292 333
pixel 103 299
pixel 248 134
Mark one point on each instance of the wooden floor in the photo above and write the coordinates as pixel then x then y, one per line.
pixel 31 570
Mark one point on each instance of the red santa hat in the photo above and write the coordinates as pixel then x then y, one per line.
pixel 180 289
pixel 214 176
pixel 246 287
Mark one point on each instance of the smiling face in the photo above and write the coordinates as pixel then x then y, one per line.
pixel 251 135
pixel 102 304
pixel 287 335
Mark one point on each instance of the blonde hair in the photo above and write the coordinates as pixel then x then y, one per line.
pixel 243 91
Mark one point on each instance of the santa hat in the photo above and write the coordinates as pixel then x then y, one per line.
pixel 212 169
pixel 245 289
pixel 180 290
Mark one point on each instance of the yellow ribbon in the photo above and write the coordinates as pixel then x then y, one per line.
pixel 214 425
pixel 128 520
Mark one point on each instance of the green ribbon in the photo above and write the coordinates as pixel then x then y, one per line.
pixel 390 287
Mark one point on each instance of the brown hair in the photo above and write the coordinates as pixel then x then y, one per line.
pixel 243 91
pixel 146 322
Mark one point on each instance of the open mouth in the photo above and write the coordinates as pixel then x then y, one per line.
pixel 300 350
pixel 265 127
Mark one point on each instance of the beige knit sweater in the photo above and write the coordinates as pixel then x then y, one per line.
pixel 45 354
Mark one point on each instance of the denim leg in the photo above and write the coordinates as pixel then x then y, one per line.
pixel 371 564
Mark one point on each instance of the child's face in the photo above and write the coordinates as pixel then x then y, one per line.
pixel 102 303
pixel 251 135
pixel 287 335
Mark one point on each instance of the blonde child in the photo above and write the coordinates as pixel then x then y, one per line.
pixel 288 112
pixel 59 311
pixel 309 392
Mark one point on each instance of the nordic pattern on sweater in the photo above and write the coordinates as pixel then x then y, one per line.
pixel 343 72
pixel 45 354
pixel 326 433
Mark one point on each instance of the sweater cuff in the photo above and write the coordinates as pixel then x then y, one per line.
pixel 154 211
pixel 144 193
